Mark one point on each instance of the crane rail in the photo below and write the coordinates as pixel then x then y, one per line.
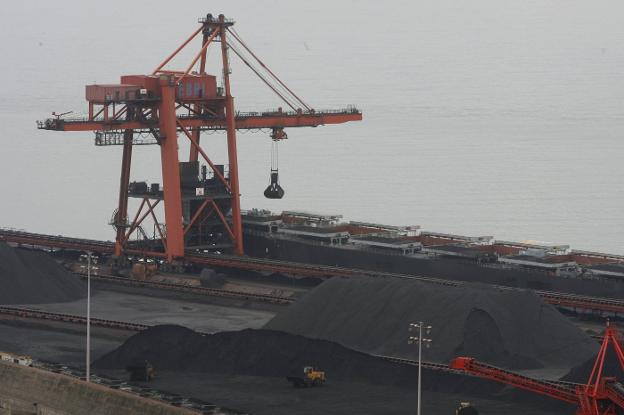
pixel 557 299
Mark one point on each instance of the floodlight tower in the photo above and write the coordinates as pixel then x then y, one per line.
pixel 420 326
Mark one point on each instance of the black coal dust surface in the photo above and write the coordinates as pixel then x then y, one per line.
pixel 507 328
pixel 611 368
pixel 274 396
pixel 32 277
pixel 211 279
pixel 271 354
pixel 262 353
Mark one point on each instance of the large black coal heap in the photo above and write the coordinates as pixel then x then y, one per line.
pixel 32 277
pixel 271 353
pixel 507 328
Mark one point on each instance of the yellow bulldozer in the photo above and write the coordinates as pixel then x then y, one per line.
pixel 311 377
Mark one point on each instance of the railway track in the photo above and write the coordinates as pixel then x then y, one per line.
pixel 558 299
pixel 217 292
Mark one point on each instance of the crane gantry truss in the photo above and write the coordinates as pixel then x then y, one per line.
pixel 167 102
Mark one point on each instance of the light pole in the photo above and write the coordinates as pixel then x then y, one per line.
pixel 89 268
pixel 420 326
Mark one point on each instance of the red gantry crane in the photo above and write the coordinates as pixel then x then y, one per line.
pixel 599 396
pixel 202 210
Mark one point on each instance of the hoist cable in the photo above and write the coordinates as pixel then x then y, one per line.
pixel 262 78
pixel 281 85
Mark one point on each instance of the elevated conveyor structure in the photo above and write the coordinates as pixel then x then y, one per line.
pixel 599 396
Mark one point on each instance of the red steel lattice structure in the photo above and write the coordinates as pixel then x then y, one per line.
pixel 600 395
pixel 168 102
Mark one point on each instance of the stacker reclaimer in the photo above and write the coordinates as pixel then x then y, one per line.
pixel 600 395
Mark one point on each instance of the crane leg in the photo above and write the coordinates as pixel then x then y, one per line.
pixel 237 227
pixel 122 208
pixel 171 171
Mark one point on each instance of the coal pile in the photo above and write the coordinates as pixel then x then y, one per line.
pixel 268 353
pixel 211 279
pixel 291 280
pixel 611 368
pixel 32 277
pixel 271 353
pixel 511 329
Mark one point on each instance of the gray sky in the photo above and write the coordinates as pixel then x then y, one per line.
pixel 481 117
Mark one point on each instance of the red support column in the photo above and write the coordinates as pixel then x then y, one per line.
pixel 122 209
pixel 237 228
pixel 170 169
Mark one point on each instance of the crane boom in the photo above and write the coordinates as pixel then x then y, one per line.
pixel 244 121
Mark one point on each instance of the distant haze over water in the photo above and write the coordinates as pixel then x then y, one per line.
pixel 484 117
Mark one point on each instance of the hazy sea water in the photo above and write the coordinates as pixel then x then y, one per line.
pixel 482 117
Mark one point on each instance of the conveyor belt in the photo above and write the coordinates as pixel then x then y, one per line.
pixel 262 264
pixel 445 368
pixel 69 318
pixel 582 302
pixel 55 241
pixel 555 390
pixel 429 365
pixel 615 393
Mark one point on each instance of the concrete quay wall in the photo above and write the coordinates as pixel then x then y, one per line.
pixel 61 394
